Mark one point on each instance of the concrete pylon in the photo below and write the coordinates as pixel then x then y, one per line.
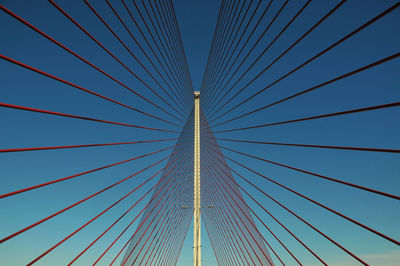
pixel 196 184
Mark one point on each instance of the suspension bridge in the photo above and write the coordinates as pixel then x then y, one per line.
pixel 285 150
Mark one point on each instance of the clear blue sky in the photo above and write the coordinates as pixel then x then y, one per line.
pixel 197 20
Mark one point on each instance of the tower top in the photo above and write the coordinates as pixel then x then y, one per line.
pixel 196 94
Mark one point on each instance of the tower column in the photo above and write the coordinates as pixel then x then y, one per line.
pixel 196 184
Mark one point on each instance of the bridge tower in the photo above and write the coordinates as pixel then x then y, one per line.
pixel 196 182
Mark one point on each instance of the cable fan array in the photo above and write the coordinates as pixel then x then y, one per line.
pixel 298 134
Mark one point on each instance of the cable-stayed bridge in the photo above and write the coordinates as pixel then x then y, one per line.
pixel 286 150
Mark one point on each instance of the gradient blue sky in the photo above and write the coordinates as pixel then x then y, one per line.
pixel 197 21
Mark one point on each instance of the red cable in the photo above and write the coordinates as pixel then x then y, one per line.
pixel 126 212
pixel 169 43
pixel 313 146
pixel 170 232
pixel 179 36
pixel 379 62
pixel 337 244
pixel 370 22
pixel 221 251
pixel 111 54
pixel 318 175
pixel 89 222
pixel 242 49
pixel 237 224
pixel 81 146
pixel 181 137
pixel 109 247
pixel 321 205
pixel 265 50
pixel 148 228
pixel 220 50
pixel 283 245
pixel 74 54
pixel 358 110
pixel 168 24
pixel 211 173
pixel 214 40
pixel 170 77
pixel 161 236
pixel 116 239
pixel 132 54
pixel 165 240
pixel 170 224
pixel 80 174
pixel 169 207
pixel 283 226
pixel 222 64
pixel 250 221
pixel 142 65
pixel 172 65
pixel 233 52
pixel 215 50
pixel 102 234
pixel 150 61
pixel 169 257
pixel 280 242
pixel 228 247
pixel 334 242
pixel 77 203
pixel 212 244
pixel 170 17
pixel 227 233
pixel 141 224
pixel 155 226
pixel 81 88
pixel 6 105
pixel 230 204
pixel 217 199
pixel 187 229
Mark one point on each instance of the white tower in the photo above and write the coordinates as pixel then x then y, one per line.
pixel 196 199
